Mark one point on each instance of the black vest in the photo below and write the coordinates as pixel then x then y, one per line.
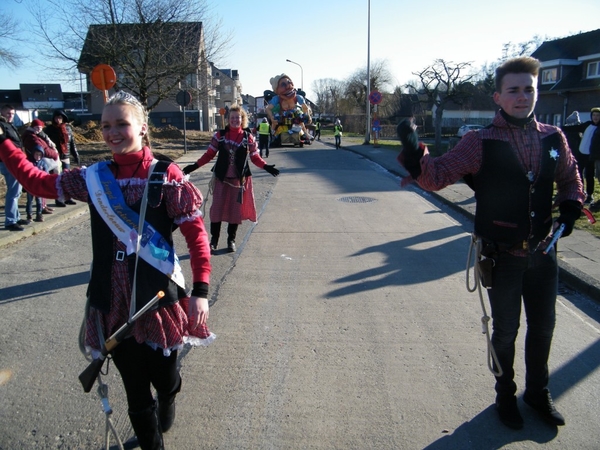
pixel 241 156
pixel 104 250
pixel 511 209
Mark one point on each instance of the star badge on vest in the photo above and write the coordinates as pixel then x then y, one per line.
pixel 553 153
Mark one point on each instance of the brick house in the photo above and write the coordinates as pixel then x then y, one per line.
pixel 570 77
pixel 183 49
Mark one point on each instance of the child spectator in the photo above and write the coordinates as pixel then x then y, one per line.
pixel 37 158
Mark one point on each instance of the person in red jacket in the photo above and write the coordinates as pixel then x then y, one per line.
pixel 33 139
pixel 133 259
pixel 60 132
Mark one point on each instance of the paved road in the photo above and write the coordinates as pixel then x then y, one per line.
pixel 343 322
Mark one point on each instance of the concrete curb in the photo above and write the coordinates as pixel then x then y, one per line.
pixel 10 237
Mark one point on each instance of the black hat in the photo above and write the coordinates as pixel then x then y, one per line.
pixel 60 112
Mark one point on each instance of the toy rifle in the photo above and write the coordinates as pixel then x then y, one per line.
pixel 555 236
pixel 89 375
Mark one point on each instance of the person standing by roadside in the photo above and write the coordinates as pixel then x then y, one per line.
pixel 512 166
pixel 264 137
pixel 60 132
pixel 12 217
pixel 35 140
pixel 318 130
pixel 589 147
pixel 337 133
pixel 134 258
pixel 233 196
pixel 36 156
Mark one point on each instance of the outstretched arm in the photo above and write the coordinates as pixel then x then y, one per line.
pixel 34 180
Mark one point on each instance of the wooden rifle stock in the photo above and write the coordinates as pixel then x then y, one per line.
pixel 89 375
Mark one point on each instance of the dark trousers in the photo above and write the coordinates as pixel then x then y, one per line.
pixel 263 143
pixel 140 367
pixel 586 171
pixel 534 279
pixel 215 232
pixel 38 205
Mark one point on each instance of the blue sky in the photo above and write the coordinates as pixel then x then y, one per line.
pixel 328 38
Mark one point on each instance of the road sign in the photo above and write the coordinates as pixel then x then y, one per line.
pixel 375 98
pixel 222 111
pixel 183 98
pixel 103 77
pixel 376 124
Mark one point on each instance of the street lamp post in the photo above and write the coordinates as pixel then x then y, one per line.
pixel 368 131
pixel 301 73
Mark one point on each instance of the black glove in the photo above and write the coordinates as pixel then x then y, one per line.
pixel 271 169
pixel 189 169
pixel 570 210
pixel 411 154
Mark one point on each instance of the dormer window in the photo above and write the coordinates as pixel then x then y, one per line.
pixel 549 76
pixel 593 69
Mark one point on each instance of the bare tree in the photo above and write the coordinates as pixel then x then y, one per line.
pixel 154 45
pixel 8 31
pixel 329 94
pixel 356 85
pixel 525 48
pixel 441 83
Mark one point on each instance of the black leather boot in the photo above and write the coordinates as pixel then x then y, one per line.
pixel 147 429
pixel 166 408
pixel 215 232
pixel 231 233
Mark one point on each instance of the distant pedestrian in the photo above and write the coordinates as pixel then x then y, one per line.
pixel 61 134
pixel 337 133
pixel 12 217
pixel 264 137
pixel 233 195
pixel 589 148
pixel 36 156
pixel 34 140
pixel 318 130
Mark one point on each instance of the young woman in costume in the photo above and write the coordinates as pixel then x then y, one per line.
pixel 130 266
pixel 233 195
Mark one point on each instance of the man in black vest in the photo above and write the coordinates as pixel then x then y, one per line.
pixel 512 165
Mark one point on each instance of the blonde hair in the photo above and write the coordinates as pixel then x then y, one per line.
pixel 125 98
pixel 235 107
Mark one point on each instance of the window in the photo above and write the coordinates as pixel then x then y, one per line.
pixel 227 89
pixel 557 120
pixel 593 69
pixel 549 76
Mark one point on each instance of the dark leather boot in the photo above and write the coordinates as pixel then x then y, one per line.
pixel 166 408
pixel 147 429
pixel 215 232
pixel 231 233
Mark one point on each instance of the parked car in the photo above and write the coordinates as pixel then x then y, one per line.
pixel 468 127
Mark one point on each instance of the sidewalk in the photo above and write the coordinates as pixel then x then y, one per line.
pixel 578 254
